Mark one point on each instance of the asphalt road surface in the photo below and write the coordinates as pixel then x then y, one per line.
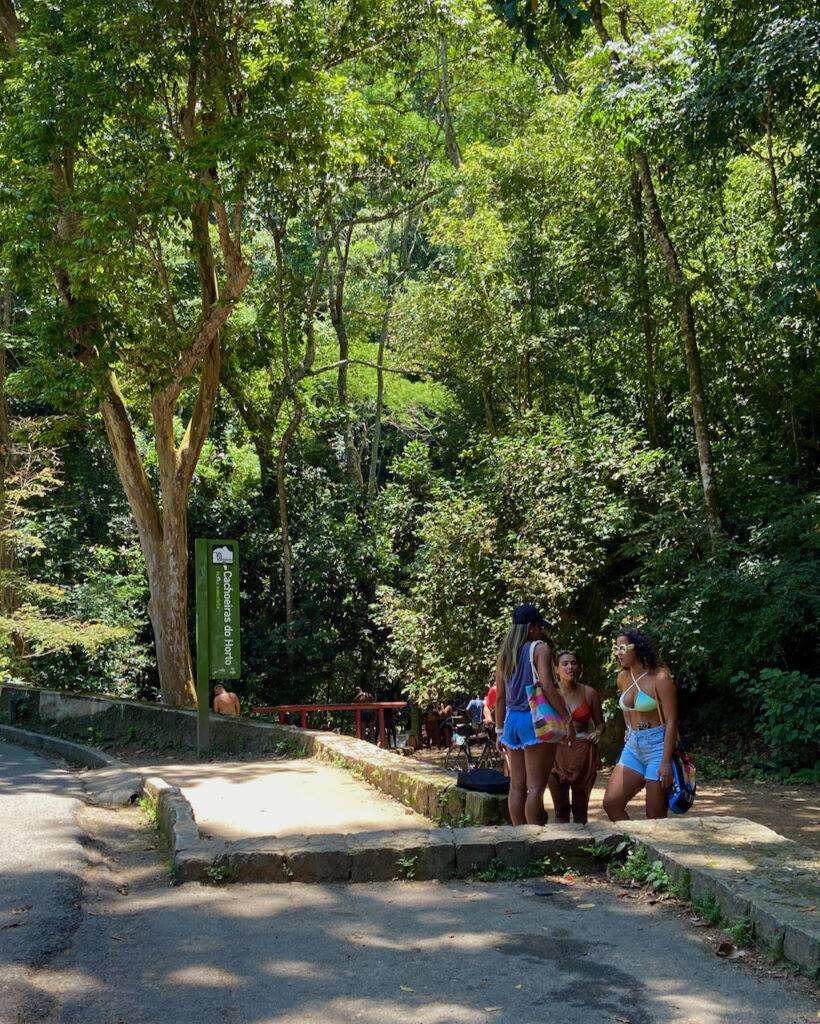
pixel 106 940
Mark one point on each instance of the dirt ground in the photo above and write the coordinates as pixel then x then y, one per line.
pixel 791 811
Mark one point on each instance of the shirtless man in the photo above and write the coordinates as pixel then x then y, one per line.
pixel 225 703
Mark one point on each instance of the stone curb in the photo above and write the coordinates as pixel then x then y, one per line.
pixel 115 785
pixel 749 871
pixel 445 853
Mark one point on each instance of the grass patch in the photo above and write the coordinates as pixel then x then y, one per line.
pixel 707 908
pixel 496 871
pixel 219 873
pixel 638 868
pixel 741 932
pixel 148 806
pixel 290 748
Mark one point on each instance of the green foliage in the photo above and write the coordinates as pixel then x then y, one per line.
pixel 497 871
pixel 707 908
pixel 149 809
pixel 407 867
pixel 638 868
pixel 741 932
pixel 535 420
pixel 218 873
pixel 781 705
pixel 600 850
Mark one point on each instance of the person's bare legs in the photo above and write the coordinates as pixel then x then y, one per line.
pixel 623 784
pixel 517 797
pixel 559 791
pixel 657 804
pixel 580 802
pixel 538 761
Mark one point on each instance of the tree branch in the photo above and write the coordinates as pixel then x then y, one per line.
pixel 364 362
pixel 129 463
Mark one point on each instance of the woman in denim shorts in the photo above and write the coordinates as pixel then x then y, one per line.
pixel 529 760
pixel 649 701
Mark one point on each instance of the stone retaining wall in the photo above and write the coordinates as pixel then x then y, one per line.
pixel 83 717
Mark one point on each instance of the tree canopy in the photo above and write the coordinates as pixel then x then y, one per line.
pixel 435 306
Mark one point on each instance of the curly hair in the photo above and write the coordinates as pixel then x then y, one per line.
pixel 644 647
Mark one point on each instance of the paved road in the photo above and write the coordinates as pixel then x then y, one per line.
pixel 40 887
pixel 402 953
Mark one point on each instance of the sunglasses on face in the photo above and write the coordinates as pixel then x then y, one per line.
pixel 622 648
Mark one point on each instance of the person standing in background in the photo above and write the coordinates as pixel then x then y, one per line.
pixel 475 709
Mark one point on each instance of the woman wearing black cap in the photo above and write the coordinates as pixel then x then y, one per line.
pixel 530 761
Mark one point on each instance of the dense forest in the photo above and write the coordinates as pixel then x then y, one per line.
pixel 434 306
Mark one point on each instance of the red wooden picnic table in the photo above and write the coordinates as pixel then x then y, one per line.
pixel 302 710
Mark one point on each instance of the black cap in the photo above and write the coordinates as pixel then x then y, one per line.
pixel 528 614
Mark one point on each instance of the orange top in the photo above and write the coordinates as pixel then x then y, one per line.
pixel 583 712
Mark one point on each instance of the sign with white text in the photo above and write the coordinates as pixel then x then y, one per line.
pixel 218 648
pixel 223 610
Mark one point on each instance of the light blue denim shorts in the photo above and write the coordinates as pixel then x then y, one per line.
pixel 643 751
pixel 518 731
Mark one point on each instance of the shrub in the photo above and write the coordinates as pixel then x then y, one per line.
pixel 784 705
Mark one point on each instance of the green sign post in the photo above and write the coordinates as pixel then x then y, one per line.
pixel 218 649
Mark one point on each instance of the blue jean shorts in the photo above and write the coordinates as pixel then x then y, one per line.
pixel 518 731
pixel 643 751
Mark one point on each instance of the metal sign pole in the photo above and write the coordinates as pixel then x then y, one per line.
pixel 203 668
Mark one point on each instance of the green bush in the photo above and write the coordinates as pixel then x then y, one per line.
pixel 784 705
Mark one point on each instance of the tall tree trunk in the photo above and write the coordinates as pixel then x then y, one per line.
pixel 683 299
pixel 336 295
pixel 686 321
pixel 489 408
pixel 8 593
pixel 284 524
pixel 162 530
pixel 167 564
pixel 450 137
pixel 645 307
pixel 373 474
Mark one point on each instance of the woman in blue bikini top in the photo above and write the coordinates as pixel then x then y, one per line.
pixel 648 699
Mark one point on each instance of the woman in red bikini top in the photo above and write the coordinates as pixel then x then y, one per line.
pixel 577 760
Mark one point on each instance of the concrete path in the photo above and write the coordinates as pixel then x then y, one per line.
pixel 243 799
pixel 417 953
pixel 108 942
pixel 40 889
